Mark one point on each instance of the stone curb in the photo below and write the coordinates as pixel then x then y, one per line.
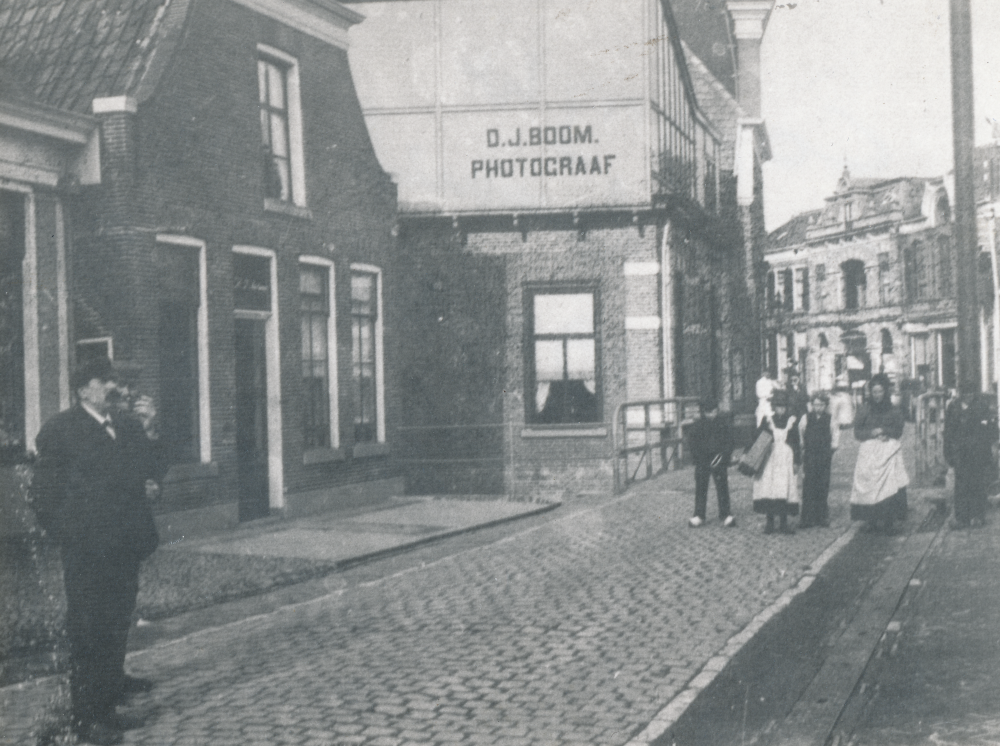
pixel 383 553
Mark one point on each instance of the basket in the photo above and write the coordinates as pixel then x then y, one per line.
pixel 753 459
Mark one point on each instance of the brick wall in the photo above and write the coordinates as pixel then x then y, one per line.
pixel 451 354
pixel 621 261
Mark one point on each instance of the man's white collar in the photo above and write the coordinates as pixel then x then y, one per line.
pixel 95 414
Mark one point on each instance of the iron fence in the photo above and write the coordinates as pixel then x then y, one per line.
pixel 929 461
pixel 650 430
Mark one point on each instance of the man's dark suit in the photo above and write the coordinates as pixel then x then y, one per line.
pixel 89 493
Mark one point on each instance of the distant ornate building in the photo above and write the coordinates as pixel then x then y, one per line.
pixel 865 285
pixel 988 235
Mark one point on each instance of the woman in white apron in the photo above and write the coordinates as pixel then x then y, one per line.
pixel 776 489
pixel 880 479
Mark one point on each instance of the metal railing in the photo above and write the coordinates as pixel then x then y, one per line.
pixel 929 462
pixel 645 429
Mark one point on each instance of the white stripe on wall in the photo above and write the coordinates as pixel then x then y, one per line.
pixel 633 269
pixel 32 373
pixel 62 307
pixel 637 323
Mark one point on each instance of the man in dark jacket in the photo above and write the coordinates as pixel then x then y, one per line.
pixel 798 399
pixel 970 432
pixel 710 440
pixel 95 467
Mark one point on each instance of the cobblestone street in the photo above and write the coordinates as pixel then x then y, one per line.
pixel 576 631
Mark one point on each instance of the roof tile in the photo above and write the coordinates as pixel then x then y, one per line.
pixel 68 51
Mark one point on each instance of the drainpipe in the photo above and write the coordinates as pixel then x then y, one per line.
pixel 749 20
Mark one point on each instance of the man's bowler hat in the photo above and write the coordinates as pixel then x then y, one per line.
pixel 98 367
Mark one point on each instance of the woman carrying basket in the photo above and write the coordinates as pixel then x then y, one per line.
pixel 880 479
pixel 775 488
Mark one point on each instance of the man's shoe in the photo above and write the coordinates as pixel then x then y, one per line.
pixel 695 521
pixel 100 734
pixel 729 522
pixel 768 528
pixel 136 685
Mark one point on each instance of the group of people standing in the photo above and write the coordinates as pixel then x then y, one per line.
pixel 804 436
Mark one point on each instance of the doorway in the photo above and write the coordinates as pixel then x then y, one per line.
pixel 251 418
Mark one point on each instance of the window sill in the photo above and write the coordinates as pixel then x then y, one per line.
pixel 597 431
pixel 322 456
pixel 285 208
pixel 368 450
pixel 184 472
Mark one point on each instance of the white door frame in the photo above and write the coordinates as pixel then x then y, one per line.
pixel 272 352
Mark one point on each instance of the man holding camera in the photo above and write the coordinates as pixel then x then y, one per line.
pixel 97 467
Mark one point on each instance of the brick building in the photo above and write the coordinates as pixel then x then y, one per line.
pixel 580 222
pixel 189 186
pixel 865 285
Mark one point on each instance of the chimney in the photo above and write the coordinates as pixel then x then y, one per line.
pixel 749 20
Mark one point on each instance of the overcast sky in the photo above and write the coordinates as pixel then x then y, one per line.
pixel 868 81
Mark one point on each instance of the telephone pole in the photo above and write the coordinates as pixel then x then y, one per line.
pixel 966 247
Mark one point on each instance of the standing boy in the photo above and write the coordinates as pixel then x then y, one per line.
pixel 710 439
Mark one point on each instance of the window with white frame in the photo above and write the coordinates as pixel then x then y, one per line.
pixel 884 279
pixel 737 375
pixel 319 348
pixel 179 301
pixel 788 289
pixel 366 354
pixel 280 127
pixel 802 289
pixel 12 368
pixel 562 356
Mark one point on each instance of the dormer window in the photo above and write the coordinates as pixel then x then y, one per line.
pixel 282 167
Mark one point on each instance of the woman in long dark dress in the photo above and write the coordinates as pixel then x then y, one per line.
pixel 880 479
pixel 820 438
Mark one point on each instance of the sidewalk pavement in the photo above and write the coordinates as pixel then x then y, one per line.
pixel 934 678
pixel 346 538
pixel 268 563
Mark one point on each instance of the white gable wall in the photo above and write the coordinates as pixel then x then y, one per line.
pixel 520 105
